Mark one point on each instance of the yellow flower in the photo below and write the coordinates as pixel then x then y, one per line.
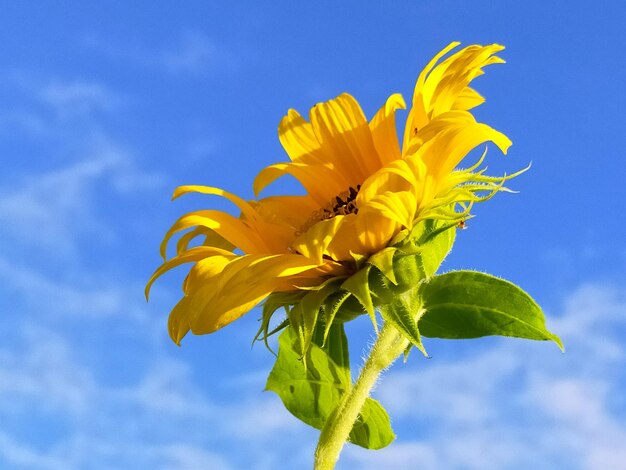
pixel 362 189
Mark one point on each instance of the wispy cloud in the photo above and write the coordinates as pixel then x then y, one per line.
pixel 158 418
pixel 47 107
pixel 510 405
pixel 39 374
pixel 80 97
pixel 20 455
pixel 194 53
pixel 61 203
pixel 516 404
pixel 83 299
pixel 191 53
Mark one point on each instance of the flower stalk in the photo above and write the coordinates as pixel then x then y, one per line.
pixel 388 347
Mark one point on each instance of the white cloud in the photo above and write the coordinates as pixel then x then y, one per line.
pixel 158 418
pixel 18 455
pixel 40 373
pixel 56 109
pixel 184 456
pixel 259 418
pixel 131 426
pixel 51 209
pixel 23 121
pixel 509 405
pixel 86 299
pixel 399 456
pixel 79 97
pixel 165 389
pixel 195 53
pixel 191 53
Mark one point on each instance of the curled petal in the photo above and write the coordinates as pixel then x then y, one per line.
pixel 230 228
pixel 244 206
pixel 446 150
pixel 383 129
pixel 193 255
pixel 444 87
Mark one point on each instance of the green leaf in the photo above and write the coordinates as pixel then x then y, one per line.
pixel 469 304
pixel 312 393
pixel 372 428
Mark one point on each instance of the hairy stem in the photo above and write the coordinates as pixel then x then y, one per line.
pixel 388 346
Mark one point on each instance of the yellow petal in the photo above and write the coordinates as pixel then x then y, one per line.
pixel 468 99
pixel 313 244
pixel 374 231
pixel 383 129
pixel 309 176
pixel 204 271
pixel 210 239
pixel 242 284
pixel 298 139
pixel 397 206
pixel 193 255
pixel 342 130
pixel 444 152
pixel 243 205
pixel 293 211
pixel 443 122
pixel 345 242
pixel 225 225
pixel 418 115
pixel 178 322
pixel 461 69
pixel 183 242
pixel 444 87
pixel 396 176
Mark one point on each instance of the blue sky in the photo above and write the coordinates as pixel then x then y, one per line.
pixel 106 107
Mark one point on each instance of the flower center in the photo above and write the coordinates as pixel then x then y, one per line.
pixel 343 204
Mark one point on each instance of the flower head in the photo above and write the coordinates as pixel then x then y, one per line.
pixel 362 189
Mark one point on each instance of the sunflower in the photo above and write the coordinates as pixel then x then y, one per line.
pixel 362 189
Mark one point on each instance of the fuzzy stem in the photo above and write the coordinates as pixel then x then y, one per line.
pixel 388 346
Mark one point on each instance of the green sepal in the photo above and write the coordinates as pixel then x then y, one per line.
pixel 421 253
pixel 470 304
pixel 331 306
pixel 312 393
pixel 358 285
pixel 274 302
pixel 303 317
pixel 402 312
pixel 383 260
